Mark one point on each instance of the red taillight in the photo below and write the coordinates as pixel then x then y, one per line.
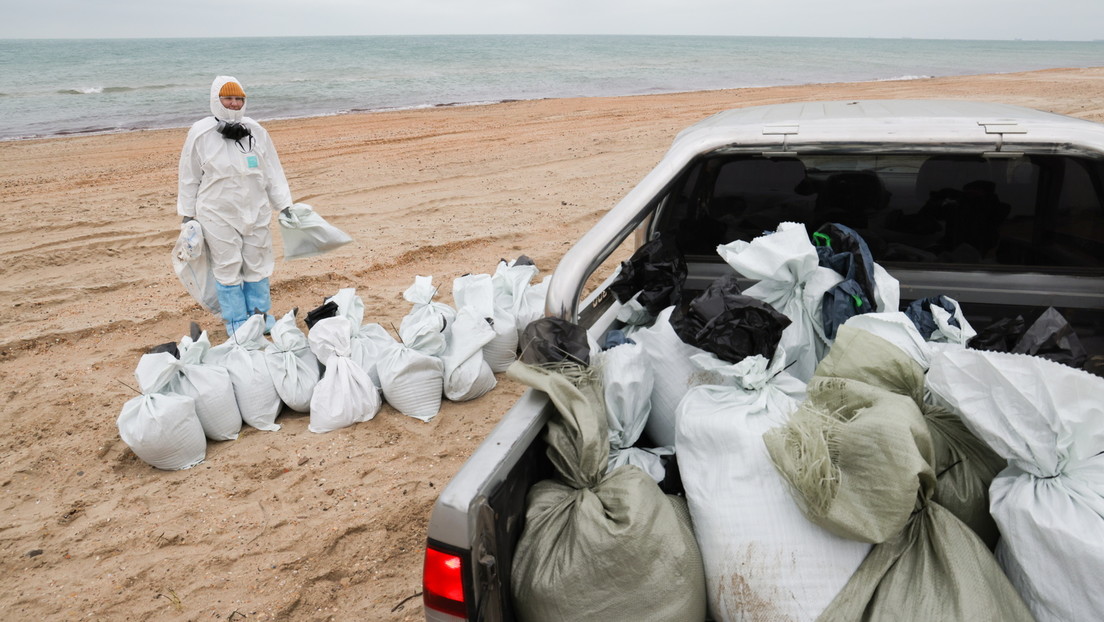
pixel 442 585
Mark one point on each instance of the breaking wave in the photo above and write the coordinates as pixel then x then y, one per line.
pixel 907 77
pixel 99 90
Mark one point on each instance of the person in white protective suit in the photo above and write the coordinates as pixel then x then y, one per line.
pixel 230 182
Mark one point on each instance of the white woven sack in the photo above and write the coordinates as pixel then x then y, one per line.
pixel 345 394
pixel 369 341
pixel 349 305
pixel 502 350
pixel 946 332
pixel 477 291
pixel 530 307
pixel 243 356
pixel 192 266
pixel 307 234
pixel 887 290
pixel 896 328
pixel 627 383
pixel 812 299
pixel 782 263
pixel 634 316
pixel 752 534
pixel 669 357
pixel 510 280
pixel 368 346
pixel 211 388
pixel 426 326
pixel 412 382
pixel 161 428
pixel 1047 420
pixel 466 375
pixel 291 364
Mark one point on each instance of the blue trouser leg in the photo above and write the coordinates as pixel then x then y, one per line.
pixel 232 306
pixel 259 299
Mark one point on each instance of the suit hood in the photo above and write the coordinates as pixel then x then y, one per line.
pixel 222 113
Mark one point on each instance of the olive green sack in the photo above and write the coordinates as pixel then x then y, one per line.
pixel 859 455
pixel 596 546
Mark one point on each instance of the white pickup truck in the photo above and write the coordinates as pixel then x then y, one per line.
pixel 998 207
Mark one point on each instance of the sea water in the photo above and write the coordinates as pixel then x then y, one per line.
pixel 61 87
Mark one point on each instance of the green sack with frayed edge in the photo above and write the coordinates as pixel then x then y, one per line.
pixel 859 455
pixel 599 546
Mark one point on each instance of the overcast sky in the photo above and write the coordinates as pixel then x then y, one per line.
pixel 935 19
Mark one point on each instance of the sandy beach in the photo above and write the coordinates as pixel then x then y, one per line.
pixel 293 525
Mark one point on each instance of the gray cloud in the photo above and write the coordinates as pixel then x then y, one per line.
pixel 950 19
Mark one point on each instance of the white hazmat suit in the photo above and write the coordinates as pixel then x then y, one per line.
pixel 231 185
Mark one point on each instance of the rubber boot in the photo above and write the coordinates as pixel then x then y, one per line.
pixel 259 300
pixel 232 306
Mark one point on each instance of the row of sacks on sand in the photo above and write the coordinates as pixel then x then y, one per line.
pixel 340 371
pixel 907 472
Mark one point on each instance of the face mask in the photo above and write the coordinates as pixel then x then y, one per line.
pixel 236 132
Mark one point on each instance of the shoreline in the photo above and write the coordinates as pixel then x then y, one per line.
pixel 460 104
pixel 292 525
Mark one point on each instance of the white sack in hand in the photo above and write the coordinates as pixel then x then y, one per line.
pixel 161 428
pixel 211 388
pixel 291 364
pixel 192 266
pixel 307 234
pixel 345 395
pixel 243 356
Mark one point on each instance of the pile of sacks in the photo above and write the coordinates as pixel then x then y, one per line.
pixel 840 459
pixel 340 371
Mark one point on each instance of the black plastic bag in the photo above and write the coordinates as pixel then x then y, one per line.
pixel 657 270
pixel 169 347
pixel 1000 336
pixel 729 324
pixel 1052 337
pixel 522 260
pixel 554 340
pixel 328 309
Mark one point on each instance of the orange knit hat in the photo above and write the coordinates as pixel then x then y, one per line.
pixel 231 89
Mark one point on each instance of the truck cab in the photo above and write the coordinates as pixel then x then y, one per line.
pixel 999 207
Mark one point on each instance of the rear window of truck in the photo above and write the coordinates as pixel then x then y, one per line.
pixel 1028 213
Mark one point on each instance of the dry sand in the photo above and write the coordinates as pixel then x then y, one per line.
pixel 293 525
